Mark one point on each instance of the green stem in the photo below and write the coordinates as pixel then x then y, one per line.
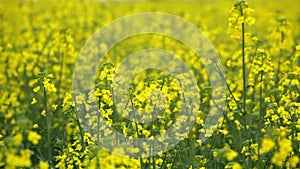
pixel 244 82
pixel 153 162
pixel 261 114
pixel 244 72
pixel 98 120
pixel 80 130
pixel 48 121
pixel 137 133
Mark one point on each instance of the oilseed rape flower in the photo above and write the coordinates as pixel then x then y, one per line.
pixel 35 126
pixel 34 137
pixel 49 86
pixel 267 145
pixel 230 155
pixel 36 89
pixel 292 162
pixel 44 165
pixel 22 160
pixel 33 101
pixel 237 166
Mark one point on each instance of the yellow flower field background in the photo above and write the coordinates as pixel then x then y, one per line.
pixel 258 43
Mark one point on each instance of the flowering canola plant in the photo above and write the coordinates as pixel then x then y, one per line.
pixel 258 43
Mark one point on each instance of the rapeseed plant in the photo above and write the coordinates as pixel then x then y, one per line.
pixel 39 122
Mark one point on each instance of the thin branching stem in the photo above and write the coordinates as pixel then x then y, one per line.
pixel 244 81
pixel 48 122
pixel 137 132
pixel 260 113
pixel 244 72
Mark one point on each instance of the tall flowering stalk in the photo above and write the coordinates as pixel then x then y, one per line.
pixel 44 83
pixel 239 18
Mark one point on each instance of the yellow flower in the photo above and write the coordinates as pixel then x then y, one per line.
pixel 35 126
pixel 49 86
pixel 267 145
pixel 294 161
pixel 10 160
pixel 13 160
pixel 225 132
pixel 17 140
pixel 54 106
pixel 34 137
pixel 146 133
pixel 199 121
pixel 25 158
pixel 33 101
pixel 250 21
pixel 44 165
pixel 236 166
pixel 254 149
pixel 285 145
pixel 230 155
pixel 68 101
pixel 50 75
pixel 36 89
pixel 43 113
pixel 278 159
pixel 228 63
pixel 215 154
pixel 254 39
pixel 298 47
